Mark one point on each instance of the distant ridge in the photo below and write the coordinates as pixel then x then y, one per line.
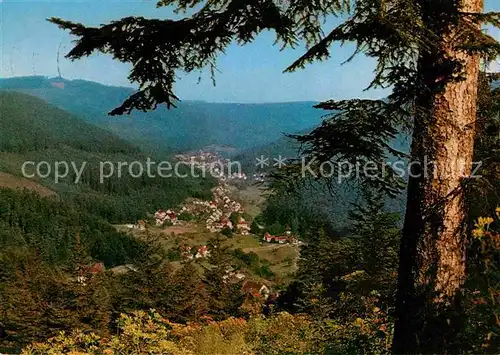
pixel 194 124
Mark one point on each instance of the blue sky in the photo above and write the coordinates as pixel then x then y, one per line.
pixel 247 74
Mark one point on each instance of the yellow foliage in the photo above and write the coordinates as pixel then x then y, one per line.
pixel 484 311
pixel 485 221
pixel 482 226
pixel 149 333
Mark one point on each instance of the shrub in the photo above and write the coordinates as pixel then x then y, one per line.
pixel 147 332
pixel 227 232
pixel 482 296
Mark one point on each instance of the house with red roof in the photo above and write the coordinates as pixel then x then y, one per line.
pixel 243 227
pixel 160 217
pixel 203 252
pixel 96 268
pixel 186 252
pixel 256 289
pixel 281 240
pixel 268 237
pixel 141 225
pixel 172 217
pixel 226 223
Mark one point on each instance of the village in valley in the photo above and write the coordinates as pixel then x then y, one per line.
pixel 223 169
pixel 186 229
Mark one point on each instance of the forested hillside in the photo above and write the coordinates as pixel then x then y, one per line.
pixel 49 227
pixel 307 206
pixel 33 130
pixel 28 123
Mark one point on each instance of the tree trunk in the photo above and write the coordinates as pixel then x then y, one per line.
pixel 432 256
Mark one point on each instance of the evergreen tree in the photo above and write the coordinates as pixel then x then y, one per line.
pixel 150 287
pixel 428 51
pixel 318 284
pixel 38 302
pixel 22 309
pixel 225 296
pixel 190 299
pixel 80 260
pixel 255 228
pixel 235 218
pixel 376 234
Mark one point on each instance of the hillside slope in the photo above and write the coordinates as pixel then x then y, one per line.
pixel 29 123
pixel 13 182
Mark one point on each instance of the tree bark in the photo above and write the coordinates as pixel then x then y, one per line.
pixel 432 256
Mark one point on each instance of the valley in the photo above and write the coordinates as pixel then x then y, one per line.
pixel 184 231
pixel 56 121
pixel 62 221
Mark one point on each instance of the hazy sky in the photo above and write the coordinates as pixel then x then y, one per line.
pixel 248 74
